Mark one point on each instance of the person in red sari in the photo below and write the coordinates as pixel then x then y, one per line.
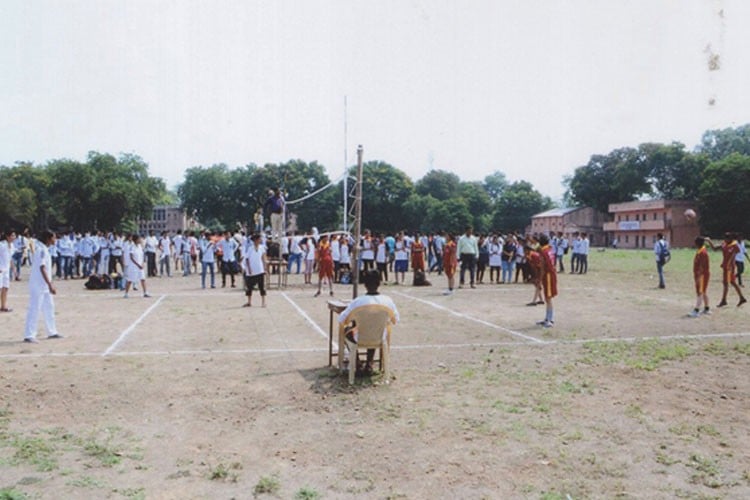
pixel 450 262
pixel 417 254
pixel 534 261
pixel 325 263
pixel 729 249
pixel 549 279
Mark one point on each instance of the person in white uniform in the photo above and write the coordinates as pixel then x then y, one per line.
pixel 6 252
pixel 255 269
pixel 136 268
pixel 41 291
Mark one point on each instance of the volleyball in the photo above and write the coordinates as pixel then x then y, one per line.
pixel 690 214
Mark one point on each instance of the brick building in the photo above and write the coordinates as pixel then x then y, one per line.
pixel 569 221
pixel 635 224
pixel 168 218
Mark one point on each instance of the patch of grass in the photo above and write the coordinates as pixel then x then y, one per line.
pixel 707 471
pixel 743 349
pixel 267 485
pixel 86 482
pixel 643 355
pixel 102 452
pixel 553 495
pixel 133 493
pixel 223 473
pixel 507 408
pixel 306 494
pixel 35 451
pixel 664 459
pixel 11 494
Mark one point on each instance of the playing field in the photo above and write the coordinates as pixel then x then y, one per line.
pixel 189 395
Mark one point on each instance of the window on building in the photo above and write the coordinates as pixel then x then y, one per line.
pixel 655 216
pixel 637 217
pixel 627 218
pixel 626 238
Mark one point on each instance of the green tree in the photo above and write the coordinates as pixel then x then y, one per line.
pixel 204 193
pixel 675 174
pixel 718 144
pixel 385 189
pixel 724 197
pixel 519 202
pixel 439 184
pixel 480 205
pixel 495 184
pixel 615 177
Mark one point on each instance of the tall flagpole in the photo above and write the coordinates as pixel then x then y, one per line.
pixel 346 172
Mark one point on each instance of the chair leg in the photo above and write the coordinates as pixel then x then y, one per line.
pixel 353 360
pixel 385 360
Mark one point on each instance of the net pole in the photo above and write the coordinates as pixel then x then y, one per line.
pixel 357 223
pixel 346 171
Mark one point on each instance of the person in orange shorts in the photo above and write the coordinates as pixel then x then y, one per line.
pixel 701 275
pixel 729 249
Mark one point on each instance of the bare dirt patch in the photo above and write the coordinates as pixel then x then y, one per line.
pixel 204 399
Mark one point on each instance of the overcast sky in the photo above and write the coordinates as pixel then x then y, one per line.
pixel 529 88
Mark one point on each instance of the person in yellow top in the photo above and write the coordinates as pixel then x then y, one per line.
pixel 701 275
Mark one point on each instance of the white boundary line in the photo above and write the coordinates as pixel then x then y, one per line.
pixel 307 318
pixel 395 347
pixel 470 318
pixel 129 329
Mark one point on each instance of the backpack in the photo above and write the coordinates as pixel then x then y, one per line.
pixel 345 278
pixel 664 253
pixel 420 279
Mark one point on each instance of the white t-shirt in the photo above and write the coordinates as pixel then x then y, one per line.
pixel 401 252
pixel 368 253
pixel 254 259
pixel 382 254
pixel 208 247
pixel 345 259
pixel 164 244
pixel 364 300
pixel 41 258
pixel 336 250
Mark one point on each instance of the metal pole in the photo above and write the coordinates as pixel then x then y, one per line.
pixel 358 223
pixel 346 173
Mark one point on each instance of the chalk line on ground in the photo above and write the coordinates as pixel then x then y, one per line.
pixel 132 327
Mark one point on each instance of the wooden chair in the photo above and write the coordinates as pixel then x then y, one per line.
pixel 372 321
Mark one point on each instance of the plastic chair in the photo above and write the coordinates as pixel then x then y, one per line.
pixel 373 332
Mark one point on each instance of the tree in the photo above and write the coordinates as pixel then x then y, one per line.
pixel 519 202
pixel 718 144
pixel 385 189
pixel 675 174
pixel 439 184
pixel 204 194
pixel 615 177
pixel 495 184
pixel 479 204
pixel 724 197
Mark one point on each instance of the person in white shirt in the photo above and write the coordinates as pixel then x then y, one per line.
pixel 177 250
pixel 165 247
pixel 255 269
pixel 136 268
pixel 371 281
pixel 208 258
pixel 115 253
pixel 381 258
pixel 149 250
pixel 583 254
pixel 496 259
pixel 41 291
pixel 309 250
pixel 6 252
pixel 88 248
pixel 295 253
pixel 336 255
pixel 739 260
pixel 104 248
pixel 228 260
pixel 67 253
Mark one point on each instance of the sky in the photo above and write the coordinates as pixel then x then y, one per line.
pixel 528 88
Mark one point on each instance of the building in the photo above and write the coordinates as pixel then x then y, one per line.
pixel 635 224
pixel 571 220
pixel 168 218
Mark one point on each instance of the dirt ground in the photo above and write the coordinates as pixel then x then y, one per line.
pixel 186 395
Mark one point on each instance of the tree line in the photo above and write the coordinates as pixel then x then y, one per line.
pixel 107 192
pixel 715 174
pixel 102 192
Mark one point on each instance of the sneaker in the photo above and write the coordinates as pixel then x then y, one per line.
pixel 541 323
pixel 694 313
pixel 548 324
pixel 706 312
pixel 125 296
pixel 55 336
pixel 531 304
pixel 146 295
pixel 447 292
pixel 30 340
